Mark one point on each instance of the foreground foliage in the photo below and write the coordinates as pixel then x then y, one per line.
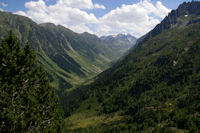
pixel 27 102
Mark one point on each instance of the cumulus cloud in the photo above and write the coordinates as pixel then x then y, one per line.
pixel 21 13
pixel 136 19
pixel 99 6
pixel 161 10
pixel 65 12
pixel 80 4
pixel 4 4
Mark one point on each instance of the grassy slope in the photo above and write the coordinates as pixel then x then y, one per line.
pixel 154 89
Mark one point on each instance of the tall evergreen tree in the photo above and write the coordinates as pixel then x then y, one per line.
pixel 27 103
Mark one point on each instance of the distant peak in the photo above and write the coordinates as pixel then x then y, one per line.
pixel 114 36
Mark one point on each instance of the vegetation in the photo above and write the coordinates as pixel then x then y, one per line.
pixel 69 58
pixel 154 89
pixel 27 102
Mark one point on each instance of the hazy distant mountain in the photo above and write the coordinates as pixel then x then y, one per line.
pixel 120 42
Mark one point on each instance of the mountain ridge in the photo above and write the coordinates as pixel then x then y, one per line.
pixel 69 58
pixel 184 9
pixel 121 41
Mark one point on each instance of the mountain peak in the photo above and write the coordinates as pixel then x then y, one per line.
pixel 121 35
pixel 120 41
pixel 184 10
pixel 189 8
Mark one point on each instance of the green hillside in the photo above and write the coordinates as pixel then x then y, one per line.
pixel 68 58
pixel 154 89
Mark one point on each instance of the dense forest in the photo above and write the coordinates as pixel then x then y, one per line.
pixel 27 102
pixel 158 91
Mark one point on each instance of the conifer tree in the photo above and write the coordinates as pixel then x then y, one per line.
pixel 27 102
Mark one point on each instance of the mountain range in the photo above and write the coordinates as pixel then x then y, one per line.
pixel 116 41
pixel 69 58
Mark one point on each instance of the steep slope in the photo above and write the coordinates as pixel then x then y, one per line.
pixel 185 9
pixel 154 89
pixel 69 58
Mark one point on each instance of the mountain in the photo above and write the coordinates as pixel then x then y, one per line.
pixel 69 58
pixel 120 42
pixel 183 10
pixel 155 88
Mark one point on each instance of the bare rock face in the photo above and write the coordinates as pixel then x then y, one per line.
pixel 185 9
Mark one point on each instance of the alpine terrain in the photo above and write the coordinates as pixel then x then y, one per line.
pixel 155 88
pixel 69 58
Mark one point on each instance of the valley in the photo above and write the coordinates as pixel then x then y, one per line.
pixel 155 87
pixel 68 57
pixel 56 80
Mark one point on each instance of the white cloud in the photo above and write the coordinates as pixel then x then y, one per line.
pixel 21 13
pixel 81 4
pixel 161 10
pixel 81 28
pixel 1 9
pixel 136 19
pixel 60 13
pixel 99 6
pixel 4 4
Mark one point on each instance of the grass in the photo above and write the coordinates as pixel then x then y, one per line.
pixel 75 80
pixel 87 116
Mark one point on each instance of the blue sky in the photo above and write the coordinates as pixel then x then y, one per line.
pixel 101 17
pixel 16 5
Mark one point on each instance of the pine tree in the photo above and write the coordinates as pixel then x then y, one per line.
pixel 27 102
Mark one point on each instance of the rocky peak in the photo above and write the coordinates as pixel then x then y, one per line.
pixel 185 9
pixel 189 8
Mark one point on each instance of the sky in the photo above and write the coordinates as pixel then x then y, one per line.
pixel 100 17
